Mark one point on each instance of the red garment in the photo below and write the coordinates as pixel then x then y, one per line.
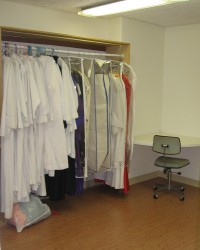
pixel 128 99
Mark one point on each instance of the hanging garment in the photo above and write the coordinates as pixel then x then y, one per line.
pixel 43 109
pixel 55 146
pixel 87 98
pixel 115 178
pixel 8 123
pixel 115 175
pixel 9 108
pixel 69 106
pixel 12 174
pixel 70 180
pixel 79 133
pixel 64 181
pixel 98 138
pixel 128 99
pixel 131 77
pixel 21 95
pixel 11 160
pixel 78 66
pixel 7 174
pixel 33 136
pixel 98 130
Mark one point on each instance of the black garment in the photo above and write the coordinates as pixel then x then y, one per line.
pixel 55 185
pixel 64 181
pixel 79 134
pixel 70 179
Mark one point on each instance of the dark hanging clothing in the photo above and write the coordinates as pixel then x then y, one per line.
pixel 64 181
pixel 79 134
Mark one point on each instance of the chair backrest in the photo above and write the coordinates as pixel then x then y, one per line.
pixel 168 145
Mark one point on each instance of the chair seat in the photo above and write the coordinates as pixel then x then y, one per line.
pixel 171 162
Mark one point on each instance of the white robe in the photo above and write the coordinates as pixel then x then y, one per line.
pixel 33 136
pixel 8 121
pixel 43 110
pixel 55 146
pixel 131 122
pixel 9 108
pixel 69 106
pixel 115 175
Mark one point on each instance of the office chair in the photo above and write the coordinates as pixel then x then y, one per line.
pixel 168 145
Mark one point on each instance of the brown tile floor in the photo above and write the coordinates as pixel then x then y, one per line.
pixel 103 219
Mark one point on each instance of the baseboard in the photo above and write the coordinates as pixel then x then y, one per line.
pixel 177 178
pixel 90 183
pixel 183 180
pixel 146 177
pixel 132 181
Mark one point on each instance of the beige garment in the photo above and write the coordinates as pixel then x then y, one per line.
pixel 98 138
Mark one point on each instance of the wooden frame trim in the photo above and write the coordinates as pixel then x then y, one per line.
pixel 1 77
pixel 59 36
pixel 65 40
pixel 57 39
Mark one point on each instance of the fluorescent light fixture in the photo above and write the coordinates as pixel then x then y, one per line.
pixel 123 6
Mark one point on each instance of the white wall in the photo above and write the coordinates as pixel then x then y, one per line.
pixel 147 59
pixel 143 161
pixel 146 40
pixel 181 84
pixel 166 62
pixel 114 29
pixel 36 18
pixel 181 89
pixel 192 171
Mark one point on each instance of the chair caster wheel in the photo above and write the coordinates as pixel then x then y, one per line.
pixel 155 196
pixel 165 171
pixel 155 187
pixel 182 188
pixel 182 198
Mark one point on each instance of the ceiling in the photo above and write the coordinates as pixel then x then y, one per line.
pixel 182 13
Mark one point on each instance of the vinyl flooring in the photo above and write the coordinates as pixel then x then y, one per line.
pixel 104 219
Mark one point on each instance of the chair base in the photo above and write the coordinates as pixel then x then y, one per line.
pixel 161 187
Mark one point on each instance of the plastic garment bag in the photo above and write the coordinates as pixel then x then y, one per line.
pixel 28 213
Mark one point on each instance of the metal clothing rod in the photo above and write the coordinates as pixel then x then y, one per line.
pixel 39 49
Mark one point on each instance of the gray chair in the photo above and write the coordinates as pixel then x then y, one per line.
pixel 168 145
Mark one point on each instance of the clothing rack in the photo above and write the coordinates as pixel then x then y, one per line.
pixel 25 42
pixel 39 49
